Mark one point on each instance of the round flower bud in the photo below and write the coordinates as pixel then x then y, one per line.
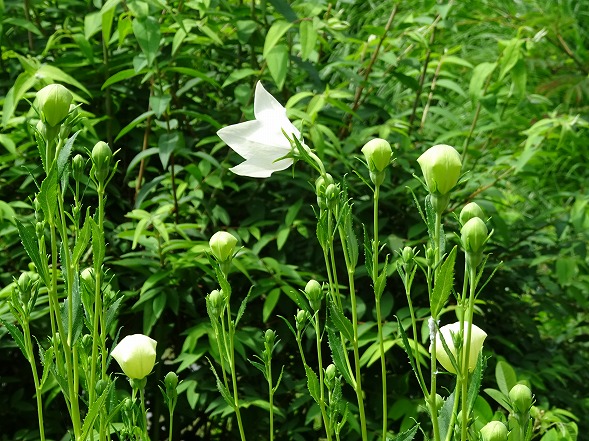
pixel 330 373
pixel 222 246
pixel 378 154
pixel 474 235
pixel 331 192
pixel 101 386
pixel 441 166
pixel 269 337
pixel 430 256
pixel 494 431
pixel 314 293
pixel 135 355
pixel 171 381
pixel 407 254
pixel 54 101
pixel 448 332
pixel 469 211
pixel 521 398
pixel 300 319
pixel 321 184
pixel 78 166
pixel 101 158
pixel 216 301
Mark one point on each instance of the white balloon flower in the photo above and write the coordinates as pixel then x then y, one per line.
pixel 135 355
pixel 262 142
pixel 476 345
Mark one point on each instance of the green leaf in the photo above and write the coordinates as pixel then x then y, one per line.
pixel 339 355
pixel 242 306
pixel 444 283
pixel 64 154
pixel 511 55
pixel 134 123
pixel 479 76
pixel 408 435
pixel 47 196
pixel 475 382
pixel 223 390
pixel 17 336
pixel 167 144
pixel 313 384
pixel 159 104
pixel 98 248
pixel 407 347
pixel 499 397
pixel 505 376
pixel 21 86
pixel 107 17
pixel 28 238
pixel 120 76
pixel 381 281
pixel 308 37
pixel 56 74
pixel 445 415
pixel 341 322
pixel 147 32
pixel 47 361
pixel 238 75
pixel 269 303
pixel 82 240
pixel 277 59
pixel 25 24
pixel 275 33
pixel 93 412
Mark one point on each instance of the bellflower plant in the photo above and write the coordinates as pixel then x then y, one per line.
pixel 262 142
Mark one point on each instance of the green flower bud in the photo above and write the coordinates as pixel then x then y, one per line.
pixel 321 184
pixel 78 166
pixel 450 333
pixel 135 355
pixel 222 246
pixel 42 129
pixel 216 301
pixel 439 402
pixel 378 154
pixel 521 398
pixel 101 158
pixel 330 373
pixel 54 101
pixel 494 431
pixel 474 235
pixel 441 166
pixel 300 319
pixel 408 254
pixel 101 386
pixel 331 193
pixel 314 292
pixel 430 256
pixel 24 282
pixel 469 211
pixel 171 381
pixel 270 336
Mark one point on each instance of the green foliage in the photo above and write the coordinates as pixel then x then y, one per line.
pixel 504 82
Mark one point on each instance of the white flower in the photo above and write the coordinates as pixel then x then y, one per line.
pixel 135 355
pixel 262 141
pixel 476 345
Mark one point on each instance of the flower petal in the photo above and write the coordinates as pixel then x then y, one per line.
pixel 253 138
pixel 258 167
pixel 268 110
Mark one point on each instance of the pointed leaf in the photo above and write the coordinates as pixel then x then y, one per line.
pixel 313 384
pixel 445 415
pixel 275 33
pixel 64 154
pixel 339 355
pixel 17 336
pixel 28 238
pixel 47 196
pixel 444 283
pixel 341 322
pixel 147 32
pixel 95 408
pixel 505 376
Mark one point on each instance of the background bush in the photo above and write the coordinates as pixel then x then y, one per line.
pixel 507 83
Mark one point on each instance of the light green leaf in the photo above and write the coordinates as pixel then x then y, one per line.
pixel 505 376
pixel 277 59
pixel 21 86
pixel 308 37
pixel 313 384
pixel 444 283
pixel 275 33
pixel 17 336
pixel 479 76
pixel 147 32
pixel 270 303
pixel 47 196
pixel 511 55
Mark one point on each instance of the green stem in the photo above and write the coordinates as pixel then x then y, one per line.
pixel 31 357
pixel 321 382
pixel 233 373
pixel 383 368
pixel 271 399
pixel 466 351
pixel 450 433
pixel 420 379
pixel 144 413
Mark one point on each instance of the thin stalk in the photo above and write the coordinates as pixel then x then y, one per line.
pixel 271 400
pixel 321 382
pixel 414 329
pixel 383 368
pixel 432 396
pixel 143 412
pixel 31 357
pixel 233 373
pixel 450 433
pixel 358 375
pixel 223 354
pixel 466 350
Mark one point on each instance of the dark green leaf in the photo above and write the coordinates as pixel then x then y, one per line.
pixel 339 355
pixel 64 154
pixel 17 336
pixel 341 322
pixel 47 196
pixel 313 384
pixel 445 415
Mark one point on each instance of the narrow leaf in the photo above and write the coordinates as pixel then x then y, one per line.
pixel 444 283
pixel 28 238
pixel 313 384
pixel 147 32
pixel 341 322
pixel 17 336
pixel 339 355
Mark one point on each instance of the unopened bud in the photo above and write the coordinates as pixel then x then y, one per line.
pixel 474 235
pixel 330 373
pixel 469 211
pixel 54 101
pixel 222 246
pixel 78 166
pixel 216 301
pixel 521 398
pixel 101 159
pixel 314 293
pixel 494 431
pixel 407 254
pixel 301 318
pixel 441 166
pixel 171 381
